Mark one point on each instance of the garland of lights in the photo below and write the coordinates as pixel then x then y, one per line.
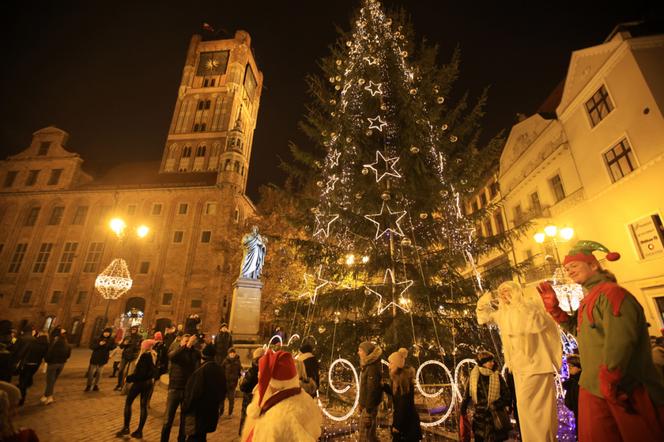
pixel 269 343
pixel 342 390
pixel 115 280
pixel 456 375
pixel 437 393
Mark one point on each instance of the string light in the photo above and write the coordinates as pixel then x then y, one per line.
pixel 341 390
pixel 456 374
pixel 388 279
pixel 392 219
pixel 115 280
pixel 386 166
pixel 377 123
pixel 437 393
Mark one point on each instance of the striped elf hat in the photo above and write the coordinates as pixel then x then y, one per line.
pixel 583 251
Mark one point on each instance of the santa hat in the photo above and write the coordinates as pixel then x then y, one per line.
pixel 583 251
pixel 277 370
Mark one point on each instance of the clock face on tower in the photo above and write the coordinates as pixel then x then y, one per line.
pixel 212 63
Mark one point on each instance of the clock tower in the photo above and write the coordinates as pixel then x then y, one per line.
pixel 215 113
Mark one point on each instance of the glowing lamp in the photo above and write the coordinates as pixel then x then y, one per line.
pixel 566 233
pixel 551 230
pixel 539 237
pixel 142 231
pixel 365 259
pixel 117 225
pixel 350 259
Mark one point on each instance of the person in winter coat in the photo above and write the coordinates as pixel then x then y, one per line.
pixel 571 386
pixel 310 364
pixel 621 394
pixel 56 357
pixel 131 345
pixel 222 342
pixel 29 362
pixel 142 382
pixel 184 360
pixel 249 381
pixel 280 410
pixel 9 400
pixel 6 363
pixel 169 338
pixel 232 368
pixel 162 353
pixel 405 420
pixel 205 390
pixel 24 341
pixel 371 390
pixel 533 353
pixel 489 395
pixel 101 349
pixel 192 324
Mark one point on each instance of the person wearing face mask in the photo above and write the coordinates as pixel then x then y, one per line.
pixel 533 353
pixel 621 394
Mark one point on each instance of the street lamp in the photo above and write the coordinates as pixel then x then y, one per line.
pixel 115 280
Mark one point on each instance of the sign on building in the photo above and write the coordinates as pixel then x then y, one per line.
pixel 648 235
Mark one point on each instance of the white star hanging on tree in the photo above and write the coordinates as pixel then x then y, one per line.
pixel 334 158
pixel 313 283
pixel 383 166
pixel 392 285
pixel 377 123
pixel 371 60
pixel 389 219
pixel 330 183
pixel 323 222
pixel 374 88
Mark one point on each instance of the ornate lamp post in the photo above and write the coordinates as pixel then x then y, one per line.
pixel 569 293
pixel 115 280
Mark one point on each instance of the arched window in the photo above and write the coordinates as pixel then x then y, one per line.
pixel 207 104
pixel 236 167
pixel 200 151
pixel 201 104
pixel 203 126
pixel 227 165
pixel 186 152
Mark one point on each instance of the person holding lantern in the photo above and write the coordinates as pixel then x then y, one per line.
pixel 621 394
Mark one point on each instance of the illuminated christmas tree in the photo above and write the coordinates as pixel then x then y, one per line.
pixel 392 256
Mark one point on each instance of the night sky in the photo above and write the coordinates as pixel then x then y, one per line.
pixel 107 72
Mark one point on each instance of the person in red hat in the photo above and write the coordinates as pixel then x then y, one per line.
pixel 621 394
pixel 280 410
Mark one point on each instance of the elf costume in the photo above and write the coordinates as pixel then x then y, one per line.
pixel 621 395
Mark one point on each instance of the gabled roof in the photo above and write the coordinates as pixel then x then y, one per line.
pixel 146 175
pixel 548 108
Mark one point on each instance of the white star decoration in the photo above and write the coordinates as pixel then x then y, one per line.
pixel 376 89
pixel 371 60
pixel 386 166
pixel 388 280
pixel 329 187
pixel 334 158
pixel 377 123
pixel 389 218
pixel 313 283
pixel 323 222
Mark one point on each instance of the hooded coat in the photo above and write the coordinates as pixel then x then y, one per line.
pixel 311 366
pixel 205 390
pixel 100 352
pixel 405 418
pixel 531 340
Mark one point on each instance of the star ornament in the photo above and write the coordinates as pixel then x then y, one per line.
pixel 390 285
pixel 377 123
pixel 383 166
pixel 374 88
pixel 334 158
pixel 371 60
pixel 312 284
pixel 387 221
pixel 323 223
pixel 329 187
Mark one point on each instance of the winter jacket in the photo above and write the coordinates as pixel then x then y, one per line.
pixel 146 369
pixel 184 361
pixel 232 368
pixel 100 352
pixel 6 366
pixel 483 424
pixel 191 325
pixel 131 349
pixel 205 390
pixel 58 352
pixel 405 418
pixel 311 366
pixel 168 340
pixel 371 388
pixel 34 354
pixel 222 343
pixel 21 346
pixel 250 379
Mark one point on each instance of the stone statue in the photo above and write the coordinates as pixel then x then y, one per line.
pixel 254 254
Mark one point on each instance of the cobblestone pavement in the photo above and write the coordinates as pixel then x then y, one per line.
pixel 97 416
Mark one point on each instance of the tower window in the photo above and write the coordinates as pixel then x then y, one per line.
pixel 81 296
pixel 55 296
pixel 43 148
pixel 599 106
pixel 211 208
pixel 55 177
pixel 27 295
pixel 196 303
pixel 32 178
pixel 156 209
pixel 10 178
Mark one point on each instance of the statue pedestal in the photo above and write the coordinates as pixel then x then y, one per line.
pixel 246 309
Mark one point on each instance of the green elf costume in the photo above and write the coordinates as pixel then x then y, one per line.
pixel 621 395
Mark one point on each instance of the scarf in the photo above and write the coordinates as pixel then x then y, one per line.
pixel 494 383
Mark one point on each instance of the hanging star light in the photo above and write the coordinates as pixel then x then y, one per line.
pixel 371 60
pixel 374 88
pixel 390 282
pixel 334 157
pixel 313 283
pixel 323 222
pixel 389 218
pixel 376 123
pixel 386 166
pixel 115 280
pixel 329 187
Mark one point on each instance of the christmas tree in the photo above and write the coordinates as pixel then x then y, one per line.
pixel 391 253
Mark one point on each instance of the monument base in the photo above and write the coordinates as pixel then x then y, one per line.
pixel 246 310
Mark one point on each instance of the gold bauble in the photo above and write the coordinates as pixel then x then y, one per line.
pixel 365 171
pixel 414 149
pixel 424 215
pixel 440 100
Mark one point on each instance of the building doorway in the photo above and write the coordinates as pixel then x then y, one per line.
pixel 75 331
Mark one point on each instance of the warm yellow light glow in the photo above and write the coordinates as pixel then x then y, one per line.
pixel 117 225
pixel 142 231
pixel 365 259
pixel 566 233
pixel 551 230
pixel 350 259
pixel 539 237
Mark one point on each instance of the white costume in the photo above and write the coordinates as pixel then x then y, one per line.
pixel 533 352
